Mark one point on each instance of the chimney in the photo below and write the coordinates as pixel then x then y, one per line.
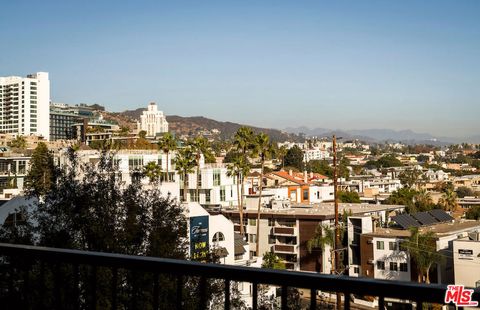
pixel 305 176
pixel 290 172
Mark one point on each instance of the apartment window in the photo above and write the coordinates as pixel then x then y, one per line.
pixel 159 162
pixel 305 194
pixel 252 238
pixel 218 237
pixel 380 265
pixel 393 266
pixel 380 245
pixel 135 163
pixel 216 178
pixel 207 196
pixel 252 222
pixel 356 270
pixel 271 222
pixel 222 194
pixel 404 267
pixel 392 246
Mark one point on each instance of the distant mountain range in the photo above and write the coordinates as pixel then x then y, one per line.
pixel 381 135
pixel 190 125
pixel 195 124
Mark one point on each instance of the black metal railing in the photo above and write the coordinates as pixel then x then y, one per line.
pixel 19 260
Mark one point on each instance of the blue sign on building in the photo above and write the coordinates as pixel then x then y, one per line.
pixel 199 238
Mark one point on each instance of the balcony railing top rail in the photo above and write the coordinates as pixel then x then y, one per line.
pixel 419 293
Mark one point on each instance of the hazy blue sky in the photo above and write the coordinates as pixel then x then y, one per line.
pixel 336 64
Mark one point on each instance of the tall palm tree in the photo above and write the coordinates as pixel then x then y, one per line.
pixel 423 201
pixel 281 152
pixel 200 145
pixel 152 171
pixel 264 149
pixel 244 142
pixel 167 144
pixel 235 170
pixel 449 201
pixel 422 249
pixel 184 164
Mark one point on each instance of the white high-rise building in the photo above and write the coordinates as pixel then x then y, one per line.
pixel 24 105
pixel 153 121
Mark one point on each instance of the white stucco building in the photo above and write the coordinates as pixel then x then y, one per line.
pixel 24 105
pixel 153 121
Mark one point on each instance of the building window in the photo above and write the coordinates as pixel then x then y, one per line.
pixel 207 196
pixel 392 246
pixel 218 237
pixel 216 178
pixel 380 245
pixel 380 265
pixel 305 194
pixel 271 239
pixel 135 163
pixel 356 270
pixel 252 222
pixel 222 194
pixel 271 222
pixel 393 266
pixel 404 267
pixel 252 238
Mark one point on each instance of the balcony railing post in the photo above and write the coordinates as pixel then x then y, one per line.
pixel 114 287
pixel 203 293
pixel 155 291
pixel 93 286
pixel 346 301
pixel 313 299
pixel 381 303
pixel 76 289
pixel 255 295
pixel 227 295
pixel 179 292
pixel 284 297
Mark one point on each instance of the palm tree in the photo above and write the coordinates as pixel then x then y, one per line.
pixel 184 164
pixel 167 144
pixel 449 201
pixel 235 170
pixel 200 146
pixel 245 143
pixel 152 171
pixel 422 249
pixel 264 149
pixel 281 153
pixel 324 236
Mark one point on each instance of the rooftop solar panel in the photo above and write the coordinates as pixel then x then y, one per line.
pixel 440 215
pixel 406 221
pixel 425 218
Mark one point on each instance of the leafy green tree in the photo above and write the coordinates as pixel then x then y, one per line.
pixel 294 158
pixel 281 152
pixel 184 164
pixel 264 149
pixel 41 176
pixel 167 144
pixel 19 142
pixel 422 250
pixel 348 197
pixel 272 261
pixel 321 167
pixel 422 202
pixel 385 161
pixel 142 134
pixel 473 213
pixel 464 191
pixel 409 178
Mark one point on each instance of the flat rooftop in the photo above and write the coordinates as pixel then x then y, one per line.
pixel 440 229
pixel 315 211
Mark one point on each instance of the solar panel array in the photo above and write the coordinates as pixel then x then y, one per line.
pixel 425 218
pixel 422 218
pixel 441 215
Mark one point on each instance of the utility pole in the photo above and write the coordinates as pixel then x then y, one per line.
pixel 336 261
